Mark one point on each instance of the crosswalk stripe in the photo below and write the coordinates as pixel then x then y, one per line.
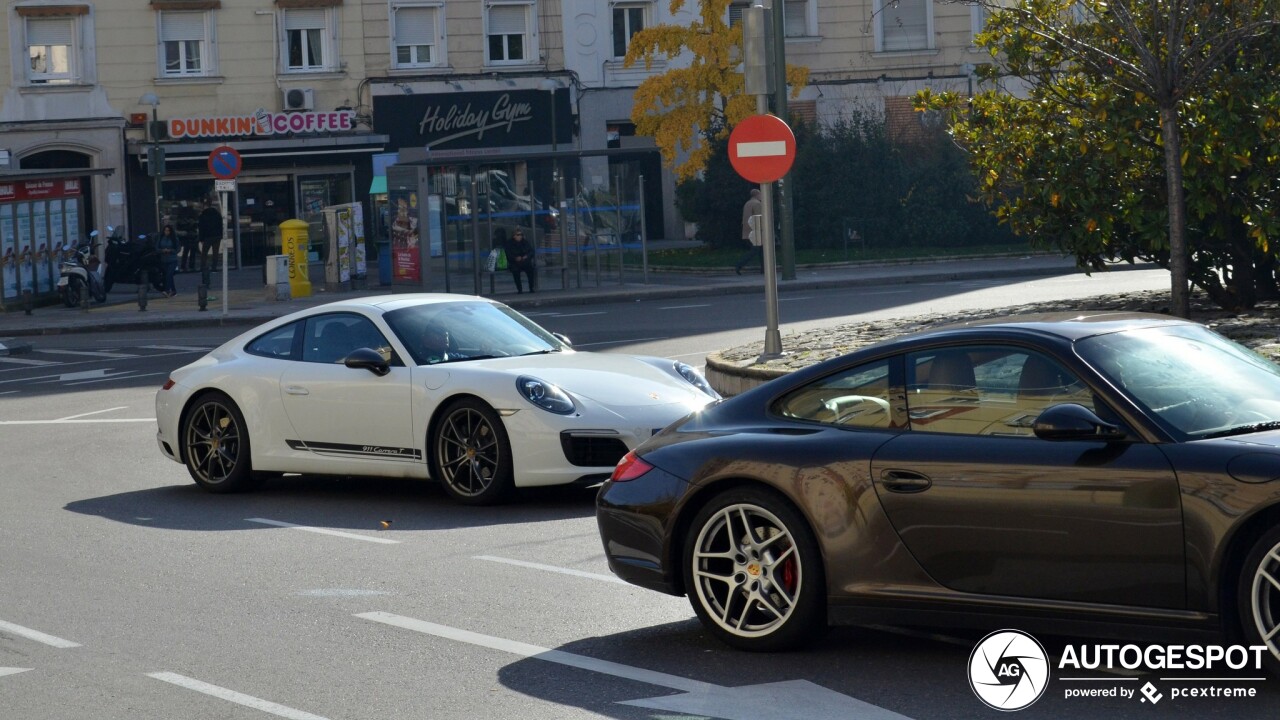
pixel 86 353
pixel 33 363
pixel 183 348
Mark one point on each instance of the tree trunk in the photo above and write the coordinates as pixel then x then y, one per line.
pixel 1172 136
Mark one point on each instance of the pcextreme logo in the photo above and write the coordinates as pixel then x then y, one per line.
pixel 1009 670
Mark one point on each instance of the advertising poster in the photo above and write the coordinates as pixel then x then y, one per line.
pixel 357 230
pixel 71 210
pixel 8 254
pixel 435 223
pixel 57 237
pixel 405 257
pixel 26 263
pixel 344 245
pixel 40 231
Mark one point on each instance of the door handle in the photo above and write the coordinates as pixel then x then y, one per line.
pixel 904 481
pixel 296 390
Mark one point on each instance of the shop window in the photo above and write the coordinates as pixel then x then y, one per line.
pixel 185 43
pixel 735 11
pixel 795 18
pixel 308 39
pixel 903 25
pixel 53 56
pixel 628 19
pixel 416 31
pixel 510 33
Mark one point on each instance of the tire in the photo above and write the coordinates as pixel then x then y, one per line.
pixel 215 444
pixel 753 572
pixel 106 285
pixel 471 455
pixel 1258 598
pixel 75 290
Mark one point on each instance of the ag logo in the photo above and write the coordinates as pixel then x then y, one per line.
pixel 1008 670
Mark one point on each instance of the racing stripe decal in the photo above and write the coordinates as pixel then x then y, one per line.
pixel 356 451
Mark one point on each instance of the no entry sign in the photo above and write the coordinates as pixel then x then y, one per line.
pixel 225 163
pixel 762 148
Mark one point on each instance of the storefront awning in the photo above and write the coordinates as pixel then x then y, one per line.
pixel 53 174
pixel 273 147
pixel 378 186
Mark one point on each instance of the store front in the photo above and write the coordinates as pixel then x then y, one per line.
pixel 286 175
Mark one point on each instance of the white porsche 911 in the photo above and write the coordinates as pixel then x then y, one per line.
pixel 459 389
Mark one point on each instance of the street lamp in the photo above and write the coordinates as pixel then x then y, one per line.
pixel 155 153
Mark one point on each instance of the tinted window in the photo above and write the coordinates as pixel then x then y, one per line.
pixel 858 397
pixel 468 330
pixel 330 338
pixel 979 390
pixel 276 344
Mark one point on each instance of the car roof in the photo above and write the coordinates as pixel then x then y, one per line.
pixel 1069 326
pixel 387 303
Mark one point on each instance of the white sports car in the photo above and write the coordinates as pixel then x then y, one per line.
pixel 460 389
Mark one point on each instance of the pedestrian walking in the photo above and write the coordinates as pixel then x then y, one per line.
pixel 167 245
pixel 210 229
pixel 520 259
pixel 751 232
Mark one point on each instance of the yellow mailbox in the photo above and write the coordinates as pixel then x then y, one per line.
pixel 293 241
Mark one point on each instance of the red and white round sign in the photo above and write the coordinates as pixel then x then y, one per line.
pixel 762 148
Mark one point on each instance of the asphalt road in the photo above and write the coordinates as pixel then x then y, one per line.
pixel 126 593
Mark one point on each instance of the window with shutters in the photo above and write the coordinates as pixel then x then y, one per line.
pixel 795 17
pixel 185 43
pixel 416 36
pixel 904 25
pixel 629 18
pixel 308 39
pixel 511 35
pixel 52 50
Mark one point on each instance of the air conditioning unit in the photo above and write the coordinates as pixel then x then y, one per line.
pixel 299 99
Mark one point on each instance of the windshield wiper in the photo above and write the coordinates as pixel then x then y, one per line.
pixel 464 358
pixel 539 352
pixel 1246 429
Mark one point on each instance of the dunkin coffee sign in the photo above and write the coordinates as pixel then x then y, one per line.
pixel 262 123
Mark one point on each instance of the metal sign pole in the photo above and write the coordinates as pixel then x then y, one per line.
pixel 755 29
pixel 226 227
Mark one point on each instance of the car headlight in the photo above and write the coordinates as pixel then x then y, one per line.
pixel 695 379
pixel 545 395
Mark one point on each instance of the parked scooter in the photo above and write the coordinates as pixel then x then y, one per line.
pixel 80 273
pixel 132 261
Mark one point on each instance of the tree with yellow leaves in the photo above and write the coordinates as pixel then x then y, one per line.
pixel 685 104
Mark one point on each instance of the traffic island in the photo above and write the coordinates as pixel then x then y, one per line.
pixel 737 370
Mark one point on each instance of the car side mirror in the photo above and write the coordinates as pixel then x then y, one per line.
pixel 367 359
pixel 1070 421
pixel 563 338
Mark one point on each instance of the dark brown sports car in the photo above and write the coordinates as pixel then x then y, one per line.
pixel 1063 470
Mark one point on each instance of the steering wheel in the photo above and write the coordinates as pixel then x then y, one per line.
pixel 846 407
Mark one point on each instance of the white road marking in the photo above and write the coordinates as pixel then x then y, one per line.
pixel 552 568
pixel 86 353
pixel 886 292
pixel 514 647
pixel 232 696
pixel 95 412
pixel 32 363
pixel 117 376
pixel 12 671
pixel 323 531
pixel 762 148
pixel 180 348
pixel 76 422
pixel 600 312
pixel 8 392
pixel 684 307
pixel 83 375
pixel 617 342
pixel 789 299
pixel 36 635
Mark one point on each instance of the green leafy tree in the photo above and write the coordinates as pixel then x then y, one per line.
pixel 701 99
pixel 1119 92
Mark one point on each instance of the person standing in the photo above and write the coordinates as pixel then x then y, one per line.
pixel 167 245
pixel 520 257
pixel 210 228
pixel 751 232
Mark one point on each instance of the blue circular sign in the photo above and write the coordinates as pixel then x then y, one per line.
pixel 225 163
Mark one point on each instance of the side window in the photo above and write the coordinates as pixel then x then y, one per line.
pixel 330 338
pixel 858 397
pixel 276 344
pixel 986 390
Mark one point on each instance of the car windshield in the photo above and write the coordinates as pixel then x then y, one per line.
pixel 467 330
pixel 1195 381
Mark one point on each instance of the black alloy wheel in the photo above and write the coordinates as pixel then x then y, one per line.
pixel 215 443
pixel 1258 598
pixel 471 455
pixel 753 572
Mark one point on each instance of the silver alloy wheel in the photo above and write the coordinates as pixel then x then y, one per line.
pixel 468 452
pixel 1265 600
pixel 213 442
pixel 746 570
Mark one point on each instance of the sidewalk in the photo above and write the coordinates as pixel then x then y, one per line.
pixel 247 302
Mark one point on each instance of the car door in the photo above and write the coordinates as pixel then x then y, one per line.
pixel 348 416
pixel 987 507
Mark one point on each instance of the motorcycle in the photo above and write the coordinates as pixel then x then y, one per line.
pixel 80 273
pixel 132 261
